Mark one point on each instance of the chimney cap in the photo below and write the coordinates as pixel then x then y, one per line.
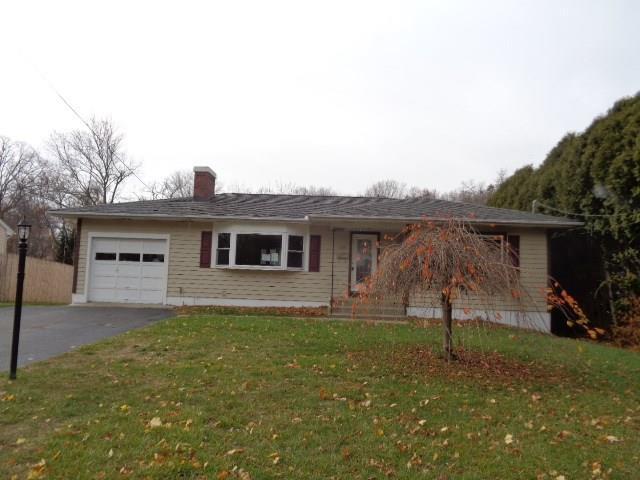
pixel 204 170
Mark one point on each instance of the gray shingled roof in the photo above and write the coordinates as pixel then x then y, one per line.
pixel 309 207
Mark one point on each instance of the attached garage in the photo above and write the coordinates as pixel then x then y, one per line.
pixel 128 270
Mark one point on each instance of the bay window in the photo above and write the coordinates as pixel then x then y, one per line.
pixel 257 249
pixel 263 251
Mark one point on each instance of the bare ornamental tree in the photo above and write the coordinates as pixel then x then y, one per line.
pixel 449 261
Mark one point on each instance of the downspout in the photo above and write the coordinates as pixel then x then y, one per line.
pixel 76 254
pixel 333 258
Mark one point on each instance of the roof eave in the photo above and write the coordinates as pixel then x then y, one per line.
pixel 160 216
pixel 309 218
pixel 520 223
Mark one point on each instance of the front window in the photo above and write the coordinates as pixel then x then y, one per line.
pixel 295 251
pixel 223 250
pixel 257 249
pixel 270 251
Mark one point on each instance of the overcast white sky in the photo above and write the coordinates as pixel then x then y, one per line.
pixel 328 93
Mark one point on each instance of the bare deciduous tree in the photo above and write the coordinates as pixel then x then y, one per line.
pixel 91 163
pixel 287 188
pixel 417 192
pixel 19 168
pixel 387 189
pixel 475 192
pixel 177 185
pixel 469 192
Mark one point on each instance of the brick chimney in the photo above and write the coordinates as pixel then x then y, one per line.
pixel 204 183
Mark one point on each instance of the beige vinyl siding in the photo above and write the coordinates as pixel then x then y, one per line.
pixel 3 241
pixel 187 279
pixel 341 267
pixel 533 276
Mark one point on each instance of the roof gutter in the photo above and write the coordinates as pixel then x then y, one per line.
pixel 308 218
pixel 524 223
pixel 160 216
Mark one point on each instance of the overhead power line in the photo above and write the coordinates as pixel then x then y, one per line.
pixel 81 118
pixel 537 203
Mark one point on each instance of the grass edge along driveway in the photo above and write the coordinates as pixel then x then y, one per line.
pixel 265 397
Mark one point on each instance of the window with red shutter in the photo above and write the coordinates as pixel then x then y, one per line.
pixel 205 249
pixel 314 253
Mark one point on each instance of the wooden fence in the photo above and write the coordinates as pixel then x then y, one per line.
pixel 45 281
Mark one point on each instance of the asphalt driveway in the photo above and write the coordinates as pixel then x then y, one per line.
pixel 50 331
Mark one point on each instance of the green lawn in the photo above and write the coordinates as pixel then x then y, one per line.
pixel 264 397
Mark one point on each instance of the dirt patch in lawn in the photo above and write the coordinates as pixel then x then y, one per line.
pixel 490 368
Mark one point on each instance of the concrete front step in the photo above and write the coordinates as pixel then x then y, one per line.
pixel 355 308
pixel 379 318
pixel 367 313
pixel 369 308
pixel 376 320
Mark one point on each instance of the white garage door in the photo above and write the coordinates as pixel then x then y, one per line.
pixel 128 270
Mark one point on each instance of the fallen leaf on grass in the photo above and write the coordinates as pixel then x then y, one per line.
pixel 346 453
pixel 20 441
pixel 37 470
pixel 155 422
pixel 324 395
pixel 235 451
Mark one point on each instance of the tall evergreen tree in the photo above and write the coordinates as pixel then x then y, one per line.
pixel 595 175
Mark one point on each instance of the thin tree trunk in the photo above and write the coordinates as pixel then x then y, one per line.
pixel 447 340
pixel 612 305
pixel 607 280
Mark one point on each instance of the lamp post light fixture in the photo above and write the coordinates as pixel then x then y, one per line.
pixel 23 237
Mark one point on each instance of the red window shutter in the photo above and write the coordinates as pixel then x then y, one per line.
pixel 205 249
pixel 514 249
pixel 314 253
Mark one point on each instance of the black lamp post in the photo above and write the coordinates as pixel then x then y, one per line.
pixel 23 237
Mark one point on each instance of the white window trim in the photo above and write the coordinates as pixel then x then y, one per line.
pixel 503 242
pixel 283 230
